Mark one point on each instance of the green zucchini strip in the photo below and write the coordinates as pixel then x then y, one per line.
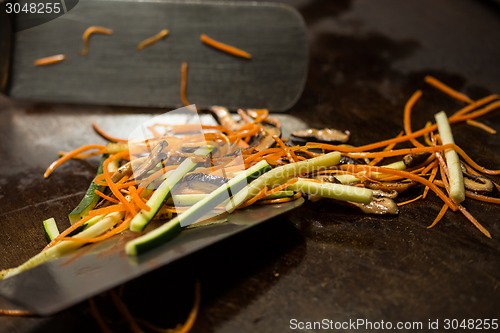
pixel 67 246
pixel 333 191
pixel 50 228
pixel 143 217
pixel 89 200
pixel 171 228
pixel 281 174
pixel 455 175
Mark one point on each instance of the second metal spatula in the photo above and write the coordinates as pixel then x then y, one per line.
pixel 115 73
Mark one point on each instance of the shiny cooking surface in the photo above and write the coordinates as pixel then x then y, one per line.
pixel 321 260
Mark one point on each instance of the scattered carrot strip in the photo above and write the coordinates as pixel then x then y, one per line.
pixel 15 313
pixel 481 197
pixel 106 197
pixel 188 324
pixel 70 155
pixel 447 89
pixel 49 60
pixel 224 47
pixel 105 135
pixel 410 201
pixel 439 216
pixel 89 32
pixel 67 231
pixel 110 233
pixel 474 221
pixel 184 77
pixel 391 146
pixel 475 114
pixel 476 104
pixel 404 174
pixel 112 185
pixel 137 199
pixel 481 126
pixel 280 200
pixel 98 317
pixel 122 308
pixel 154 39
pixel 407 116
pixel 431 178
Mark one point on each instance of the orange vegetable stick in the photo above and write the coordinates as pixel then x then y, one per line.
pixel 89 32
pixel 151 40
pixel 49 60
pixel 224 47
pixel 447 89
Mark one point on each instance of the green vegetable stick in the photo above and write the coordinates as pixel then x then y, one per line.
pixel 456 178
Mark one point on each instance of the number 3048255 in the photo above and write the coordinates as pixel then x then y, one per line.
pixel 33 8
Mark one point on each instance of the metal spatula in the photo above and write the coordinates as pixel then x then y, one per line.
pixel 115 73
pixel 59 284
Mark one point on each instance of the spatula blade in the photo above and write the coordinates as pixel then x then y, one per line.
pixel 115 73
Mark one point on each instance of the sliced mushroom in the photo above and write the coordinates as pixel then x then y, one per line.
pixel 477 184
pixel 327 135
pixel 399 187
pixel 156 156
pixel 224 117
pixel 203 182
pixel 378 206
pixel 383 194
pixel 266 137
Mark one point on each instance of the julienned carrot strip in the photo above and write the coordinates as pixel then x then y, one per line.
pixel 400 152
pixel 70 155
pixel 477 104
pixel 106 210
pixel 49 60
pixel 474 195
pixel 473 164
pixel 105 135
pixel 474 221
pixel 112 185
pixel 122 308
pixel 289 153
pixel 137 199
pixel 439 216
pixel 481 126
pixel 432 176
pixel 475 114
pixel 103 326
pixel 224 47
pixel 447 89
pixel 66 232
pixel 15 313
pixel 110 233
pixel 404 174
pixel 153 39
pixel 89 32
pixel 188 324
pixel 389 147
pixel 184 77
pixel 106 197
pixel 407 116
pixel 410 201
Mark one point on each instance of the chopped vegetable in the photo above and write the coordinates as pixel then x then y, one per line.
pixel 50 60
pixel 224 47
pixel 143 217
pixel 91 31
pixel 456 180
pixel 50 227
pixel 151 40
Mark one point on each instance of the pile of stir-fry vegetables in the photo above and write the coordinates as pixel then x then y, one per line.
pixel 186 173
